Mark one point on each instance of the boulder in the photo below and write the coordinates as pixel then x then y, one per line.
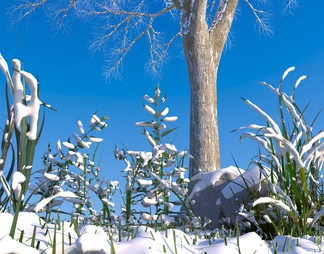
pixel 218 195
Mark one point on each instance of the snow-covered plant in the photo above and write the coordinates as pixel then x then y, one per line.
pixel 22 124
pixel 155 180
pixel 72 174
pixel 291 161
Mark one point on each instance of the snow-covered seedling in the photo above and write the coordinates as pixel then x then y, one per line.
pixel 156 180
pixel 291 167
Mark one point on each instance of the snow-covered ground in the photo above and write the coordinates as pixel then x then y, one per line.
pixel 94 240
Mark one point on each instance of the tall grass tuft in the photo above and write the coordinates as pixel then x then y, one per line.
pixel 290 161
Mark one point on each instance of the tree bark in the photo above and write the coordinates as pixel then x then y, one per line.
pixel 203 47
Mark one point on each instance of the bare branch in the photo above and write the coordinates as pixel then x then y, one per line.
pixel 110 70
pixel 158 54
pixel 261 18
pixel 27 8
pixel 61 15
pixel 122 23
pixel 290 6
pixel 126 24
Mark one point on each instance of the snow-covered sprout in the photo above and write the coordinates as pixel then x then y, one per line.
pixel 70 173
pixel 293 161
pixel 156 179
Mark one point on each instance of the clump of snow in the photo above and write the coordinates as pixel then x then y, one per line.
pixel 21 110
pixel 17 179
pixel 92 240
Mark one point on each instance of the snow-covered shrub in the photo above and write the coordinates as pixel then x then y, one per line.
pixel 291 161
pixel 156 181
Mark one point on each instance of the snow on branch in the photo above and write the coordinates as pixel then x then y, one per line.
pixel 219 14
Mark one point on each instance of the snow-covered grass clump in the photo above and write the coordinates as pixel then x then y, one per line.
pixel 156 215
pixel 291 161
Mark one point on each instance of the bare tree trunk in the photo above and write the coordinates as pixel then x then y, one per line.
pixel 203 47
pixel 204 144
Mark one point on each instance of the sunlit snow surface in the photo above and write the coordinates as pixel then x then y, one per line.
pixel 94 240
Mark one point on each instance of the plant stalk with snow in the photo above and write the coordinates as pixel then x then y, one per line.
pixel 23 124
pixel 155 177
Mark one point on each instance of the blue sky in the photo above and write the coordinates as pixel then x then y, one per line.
pixel 71 79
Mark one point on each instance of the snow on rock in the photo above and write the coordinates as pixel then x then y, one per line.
pixel 218 194
pixel 249 179
pixel 207 198
pixel 211 178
